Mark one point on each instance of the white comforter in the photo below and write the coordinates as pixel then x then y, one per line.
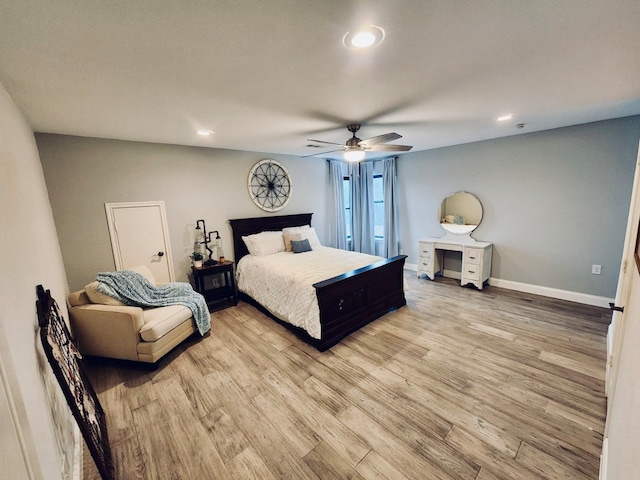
pixel 283 282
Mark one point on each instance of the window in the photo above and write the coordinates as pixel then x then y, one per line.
pixel 378 206
pixel 347 206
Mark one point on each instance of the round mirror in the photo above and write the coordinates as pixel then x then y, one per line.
pixel 460 213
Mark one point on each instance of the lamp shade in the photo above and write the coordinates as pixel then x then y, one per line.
pixel 199 234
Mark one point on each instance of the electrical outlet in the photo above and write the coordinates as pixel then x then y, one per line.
pixel 596 269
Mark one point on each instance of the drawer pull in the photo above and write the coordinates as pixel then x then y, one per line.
pixel 470 271
pixel 472 258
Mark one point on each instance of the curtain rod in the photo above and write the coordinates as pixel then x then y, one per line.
pixel 363 161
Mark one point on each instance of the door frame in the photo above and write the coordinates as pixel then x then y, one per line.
pixel 17 434
pixel 113 234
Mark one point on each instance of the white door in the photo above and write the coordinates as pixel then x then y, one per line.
pixel 139 236
pixel 621 435
pixel 615 335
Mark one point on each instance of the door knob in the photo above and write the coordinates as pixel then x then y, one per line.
pixel 160 254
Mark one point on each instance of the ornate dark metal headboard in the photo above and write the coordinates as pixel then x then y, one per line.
pixel 64 359
pixel 248 226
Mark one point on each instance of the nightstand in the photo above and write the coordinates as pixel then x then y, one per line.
pixel 224 292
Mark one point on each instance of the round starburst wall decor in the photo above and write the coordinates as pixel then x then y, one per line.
pixel 269 185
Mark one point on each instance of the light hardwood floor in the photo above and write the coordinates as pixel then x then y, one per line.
pixel 459 384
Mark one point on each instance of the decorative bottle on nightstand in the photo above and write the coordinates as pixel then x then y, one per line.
pixel 220 252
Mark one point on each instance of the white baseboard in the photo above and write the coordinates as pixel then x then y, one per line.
pixel 78 464
pixel 577 297
pixel 603 459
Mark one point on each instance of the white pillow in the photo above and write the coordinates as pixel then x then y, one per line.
pixel 307 232
pixel 310 234
pixel 144 271
pixel 287 240
pixel 264 243
pixel 96 296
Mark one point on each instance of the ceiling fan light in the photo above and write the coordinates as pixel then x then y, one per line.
pixel 504 118
pixel 353 155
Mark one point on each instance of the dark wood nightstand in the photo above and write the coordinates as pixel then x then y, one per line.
pixel 226 292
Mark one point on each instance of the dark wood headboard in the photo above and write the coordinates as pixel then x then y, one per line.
pixel 66 363
pixel 248 226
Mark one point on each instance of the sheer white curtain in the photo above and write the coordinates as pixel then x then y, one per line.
pixel 391 221
pixel 337 221
pixel 362 221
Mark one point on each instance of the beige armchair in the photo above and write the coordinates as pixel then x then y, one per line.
pixel 105 327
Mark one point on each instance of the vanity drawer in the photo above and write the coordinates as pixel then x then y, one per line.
pixel 471 272
pixel 425 256
pixel 425 263
pixel 425 250
pixel 427 259
pixel 449 246
pixel 425 266
pixel 472 256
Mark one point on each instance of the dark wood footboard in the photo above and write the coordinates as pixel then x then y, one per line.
pixel 350 301
pixel 347 302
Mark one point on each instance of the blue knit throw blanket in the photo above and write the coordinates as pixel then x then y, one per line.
pixel 134 290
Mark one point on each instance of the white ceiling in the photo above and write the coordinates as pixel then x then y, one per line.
pixel 267 75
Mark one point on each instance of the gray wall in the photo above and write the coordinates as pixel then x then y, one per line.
pixel 29 255
pixel 83 174
pixel 555 202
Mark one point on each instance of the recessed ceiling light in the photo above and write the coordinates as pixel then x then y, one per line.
pixel 504 118
pixel 363 40
pixel 205 133
pixel 364 37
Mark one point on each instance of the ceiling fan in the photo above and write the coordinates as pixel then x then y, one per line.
pixel 355 149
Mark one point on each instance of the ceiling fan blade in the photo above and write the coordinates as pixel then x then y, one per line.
pixel 387 137
pixel 389 148
pixel 321 153
pixel 322 141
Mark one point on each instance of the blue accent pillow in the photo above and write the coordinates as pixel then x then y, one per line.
pixel 299 246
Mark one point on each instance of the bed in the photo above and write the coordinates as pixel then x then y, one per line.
pixel 346 302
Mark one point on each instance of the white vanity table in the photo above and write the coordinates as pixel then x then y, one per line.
pixel 476 256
